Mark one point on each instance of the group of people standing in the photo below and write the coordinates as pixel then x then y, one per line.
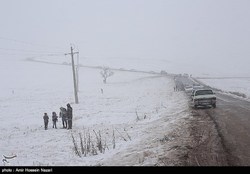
pixel 65 114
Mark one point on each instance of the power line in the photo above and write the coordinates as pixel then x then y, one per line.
pixel 32 55
pixel 28 43
pixel 31 51
pixel 22 52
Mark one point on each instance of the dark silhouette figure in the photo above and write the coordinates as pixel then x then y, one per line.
pixel 69 115
pixel 46 121
pixel 54 119
pixel 63 115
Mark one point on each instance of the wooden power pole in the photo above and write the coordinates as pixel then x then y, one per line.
pixel 74 74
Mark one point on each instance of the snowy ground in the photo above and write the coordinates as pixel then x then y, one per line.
pixel 136 110
pixel 134 113
pixel 241 85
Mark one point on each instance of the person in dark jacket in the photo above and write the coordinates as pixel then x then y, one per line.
pixel 69 115
pixel 54 119
pixel 46 121
pixel 63 115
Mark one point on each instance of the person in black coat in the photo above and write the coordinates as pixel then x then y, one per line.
pixel 69 115
pixel 54 119
pixel 46 121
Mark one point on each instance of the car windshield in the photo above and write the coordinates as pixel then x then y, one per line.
pixel 203 92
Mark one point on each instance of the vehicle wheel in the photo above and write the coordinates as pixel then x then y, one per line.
pixel 214 105
pixel 195 106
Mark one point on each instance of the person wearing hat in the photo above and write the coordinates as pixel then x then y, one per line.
pixel 69 115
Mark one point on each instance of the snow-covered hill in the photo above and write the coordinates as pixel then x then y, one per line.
pixel 134 113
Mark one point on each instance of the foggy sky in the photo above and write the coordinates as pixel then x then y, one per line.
pixel 189 31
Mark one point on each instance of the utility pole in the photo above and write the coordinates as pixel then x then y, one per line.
pixel 77 73
pixel 74 74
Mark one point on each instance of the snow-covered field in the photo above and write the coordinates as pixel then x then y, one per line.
pixel 131 117
pixel 134 112
pixel 241 85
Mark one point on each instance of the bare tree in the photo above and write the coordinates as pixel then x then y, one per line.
pixel 106 72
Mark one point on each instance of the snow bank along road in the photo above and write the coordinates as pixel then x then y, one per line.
pixel 231 119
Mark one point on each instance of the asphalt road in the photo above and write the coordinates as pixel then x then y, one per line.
pixel 232 117
pixel 232 122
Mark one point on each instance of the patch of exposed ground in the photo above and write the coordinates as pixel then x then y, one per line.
pixel 196 143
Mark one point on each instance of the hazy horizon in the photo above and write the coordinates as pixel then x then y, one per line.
pixel 205 36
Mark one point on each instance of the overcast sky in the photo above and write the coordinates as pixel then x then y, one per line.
pixel 216 31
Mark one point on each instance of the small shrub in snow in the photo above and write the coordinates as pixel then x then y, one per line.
pixel 87 144
pixel 76 149
pixel 93 144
